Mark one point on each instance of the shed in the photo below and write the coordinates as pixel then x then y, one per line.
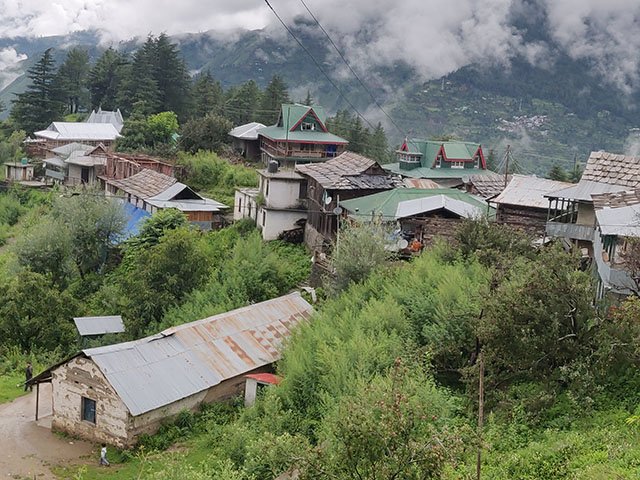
pixel 18 171
pixel 245 140
pixel 116 393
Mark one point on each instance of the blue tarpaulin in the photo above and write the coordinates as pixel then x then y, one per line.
pixel 135 217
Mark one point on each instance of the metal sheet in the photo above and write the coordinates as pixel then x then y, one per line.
pixel 529 191
pixel 410 208
pixel 584 189
pixel 99 325
pixel 624 221
pixel 181 361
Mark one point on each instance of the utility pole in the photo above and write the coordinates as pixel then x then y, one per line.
pixel 507 154
pixel 480 411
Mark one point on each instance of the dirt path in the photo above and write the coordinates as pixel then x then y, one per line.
pixel 27 448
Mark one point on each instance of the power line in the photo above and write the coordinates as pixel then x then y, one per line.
pixel 344 97
pixel 353 71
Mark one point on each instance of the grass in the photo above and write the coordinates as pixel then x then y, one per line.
pixel 8 389
pixel 141 465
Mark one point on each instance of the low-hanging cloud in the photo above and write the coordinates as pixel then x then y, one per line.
pixel 10 69
pixel 435 37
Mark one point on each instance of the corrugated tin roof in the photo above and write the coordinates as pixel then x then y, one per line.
pixel 144 184
pixel 65 150
pixel 614 169
pixel 348 171
pixel 55 161
pixel 436 173
pixel 269 378
pixel 410 208
pixel 105 116
pixel 67 131
pixel 86 161
pixel 584 189
pixel 624 221
pixel 190 205
pixel 309 136
pixel 99 325
pixel 181 361
pixel 385 204
pixel 248 131
pixel 529 191
pixel 419 183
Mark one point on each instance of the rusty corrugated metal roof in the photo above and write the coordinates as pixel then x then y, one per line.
pixel 158 370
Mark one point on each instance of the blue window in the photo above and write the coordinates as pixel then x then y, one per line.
pixel 88 410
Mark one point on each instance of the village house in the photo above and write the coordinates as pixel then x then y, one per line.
pixel 277 205
pixel 421 214
pixel 61 133
pixel 22 171
pixel 523 204
pixel 616 243
pixel 106 116
pixel 245 140
pixel 116 393
pixel 151 191
pixel 75 164
pixel 449 164
pixel 347 176
pixel 571 212
pixel 299 136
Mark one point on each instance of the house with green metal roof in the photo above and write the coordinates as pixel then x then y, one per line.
pixel 447 163
pixel 422 214
pixel 299 136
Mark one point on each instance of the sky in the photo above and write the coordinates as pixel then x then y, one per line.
pixel 435 36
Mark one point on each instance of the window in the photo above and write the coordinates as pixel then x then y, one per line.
pixel 308 126
pixel 239 205
pixel 306 147
pixel 88 408
pixel 438 161
pixel 266 188
pixel 303 190
pixel 264 217
pixel 476 162
pixel 457 164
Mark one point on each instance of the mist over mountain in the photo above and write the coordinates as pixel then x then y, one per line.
pixel 503 76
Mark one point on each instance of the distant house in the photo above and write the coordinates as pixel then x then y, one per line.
pixel 106 116
pixel 152 191
pixel 61 133
pixel 18 171
pixel 299 136
pixel 277 205
pixel 523 203
pixel 75 164
pixel 571 210
pixel 347 176
pixel 122 165
pixel 116 393
pixel 245 140
pixel 422 214
pixel 447 163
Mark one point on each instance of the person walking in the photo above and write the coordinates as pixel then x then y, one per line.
pixel 103 455
pixel 28 374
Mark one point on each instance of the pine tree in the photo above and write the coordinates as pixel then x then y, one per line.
pixel 274 96
pixel 208 96
pixel 105 79
pixel 358 136
pixel 308 100
pixel 172 77
pixel 39 105
pixel 558 173
pixel 71 80
pixel 139 92
pixel 378 146
pixel 243 103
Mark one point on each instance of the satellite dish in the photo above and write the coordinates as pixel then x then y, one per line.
pixel 328 200
pixel 402 244
pixel 337 210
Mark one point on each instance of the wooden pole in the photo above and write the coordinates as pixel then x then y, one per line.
pixel 37 399
pixel 480 412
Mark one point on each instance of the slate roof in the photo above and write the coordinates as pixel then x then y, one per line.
pixel 347 172
pixel 613 169
pixel 488 184
pixel 248 131
pixel 181 361
pixel 386 203
pixel 529 191
pixel 616 199
pixel 144 184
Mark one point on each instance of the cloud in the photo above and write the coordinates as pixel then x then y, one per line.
pixel 10 65
pixel 435 37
